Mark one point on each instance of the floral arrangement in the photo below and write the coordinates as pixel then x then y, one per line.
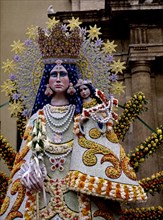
pixel 154 213
pixel 37 142
pixel 153 184
pixel 21 125
pixel 7 152
pixel 132 108
pixel 148 147
pixel 4 184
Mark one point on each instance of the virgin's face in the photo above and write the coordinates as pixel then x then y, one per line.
pixel 59 81
pixel 84 92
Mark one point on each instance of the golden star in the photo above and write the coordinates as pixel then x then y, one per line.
pixel 51 22
pixel 94 32
pixel 17 47
pixel 74 23
pixel 32 32
pixel 15 108
pixel 8 66
pixel 117 66
pixel 118 88
pixel 109 47
pixel 8 87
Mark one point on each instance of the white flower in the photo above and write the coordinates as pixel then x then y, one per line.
pixel 37 148
pixel 34 130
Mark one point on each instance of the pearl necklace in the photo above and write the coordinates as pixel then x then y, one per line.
pixel 53 118
pixel 63 111
pixel 59 157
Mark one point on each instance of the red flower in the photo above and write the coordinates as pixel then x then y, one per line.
pixel 115 102
pixel 86 113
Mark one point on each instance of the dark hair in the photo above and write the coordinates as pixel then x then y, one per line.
pixel 42 99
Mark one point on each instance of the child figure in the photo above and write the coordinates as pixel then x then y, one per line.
pixel 97 107
pixel 99 165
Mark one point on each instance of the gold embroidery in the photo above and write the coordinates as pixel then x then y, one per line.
pixel 89 158
pixel 5 205
pixel 22 154
pixel 13 215
pixel 115 171
pixel 90 104
pixel 112 137
pixel 58 109
pixel 59 148
pixel 27 132
pixel 17 187
pixel 94 133
pixel 125 165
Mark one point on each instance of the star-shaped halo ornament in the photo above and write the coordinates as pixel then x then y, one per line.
pixel 109 47
pixel 15 108
pixel 94 32
pixel 117 88
pixel 8 87
pixel 17 47
pixel 73 23
pixel 32 32
pixel 51 22
pixel 8 66
pixel 118 66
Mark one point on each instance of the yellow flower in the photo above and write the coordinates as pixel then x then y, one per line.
pixel 15 108
pixel 51 22
pixel 94 32
pixel 73 23
pixel 109 47
pixel 8 66
pixel 117 66
pixel 118 88
pixel 8 87
pixel 32 32
pixel 17 47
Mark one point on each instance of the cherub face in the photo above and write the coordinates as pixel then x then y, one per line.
pixel 84 91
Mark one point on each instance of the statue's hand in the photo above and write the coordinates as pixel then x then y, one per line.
pixel 32 176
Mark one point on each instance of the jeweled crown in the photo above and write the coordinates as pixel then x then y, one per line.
pixel 60 44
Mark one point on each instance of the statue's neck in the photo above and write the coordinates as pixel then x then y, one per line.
pixel 59 100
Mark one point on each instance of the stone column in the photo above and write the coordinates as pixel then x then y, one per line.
pixel 141 81
pixel 128 94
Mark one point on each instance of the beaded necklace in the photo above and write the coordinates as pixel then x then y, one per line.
pixel 99 108
pixel 53 118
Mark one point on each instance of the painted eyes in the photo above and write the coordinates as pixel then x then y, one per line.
pixel 61 74
pixel 84 89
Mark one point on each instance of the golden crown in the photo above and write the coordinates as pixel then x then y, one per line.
pixel 60 44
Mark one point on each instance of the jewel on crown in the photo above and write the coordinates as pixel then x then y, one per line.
pixel 60 44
